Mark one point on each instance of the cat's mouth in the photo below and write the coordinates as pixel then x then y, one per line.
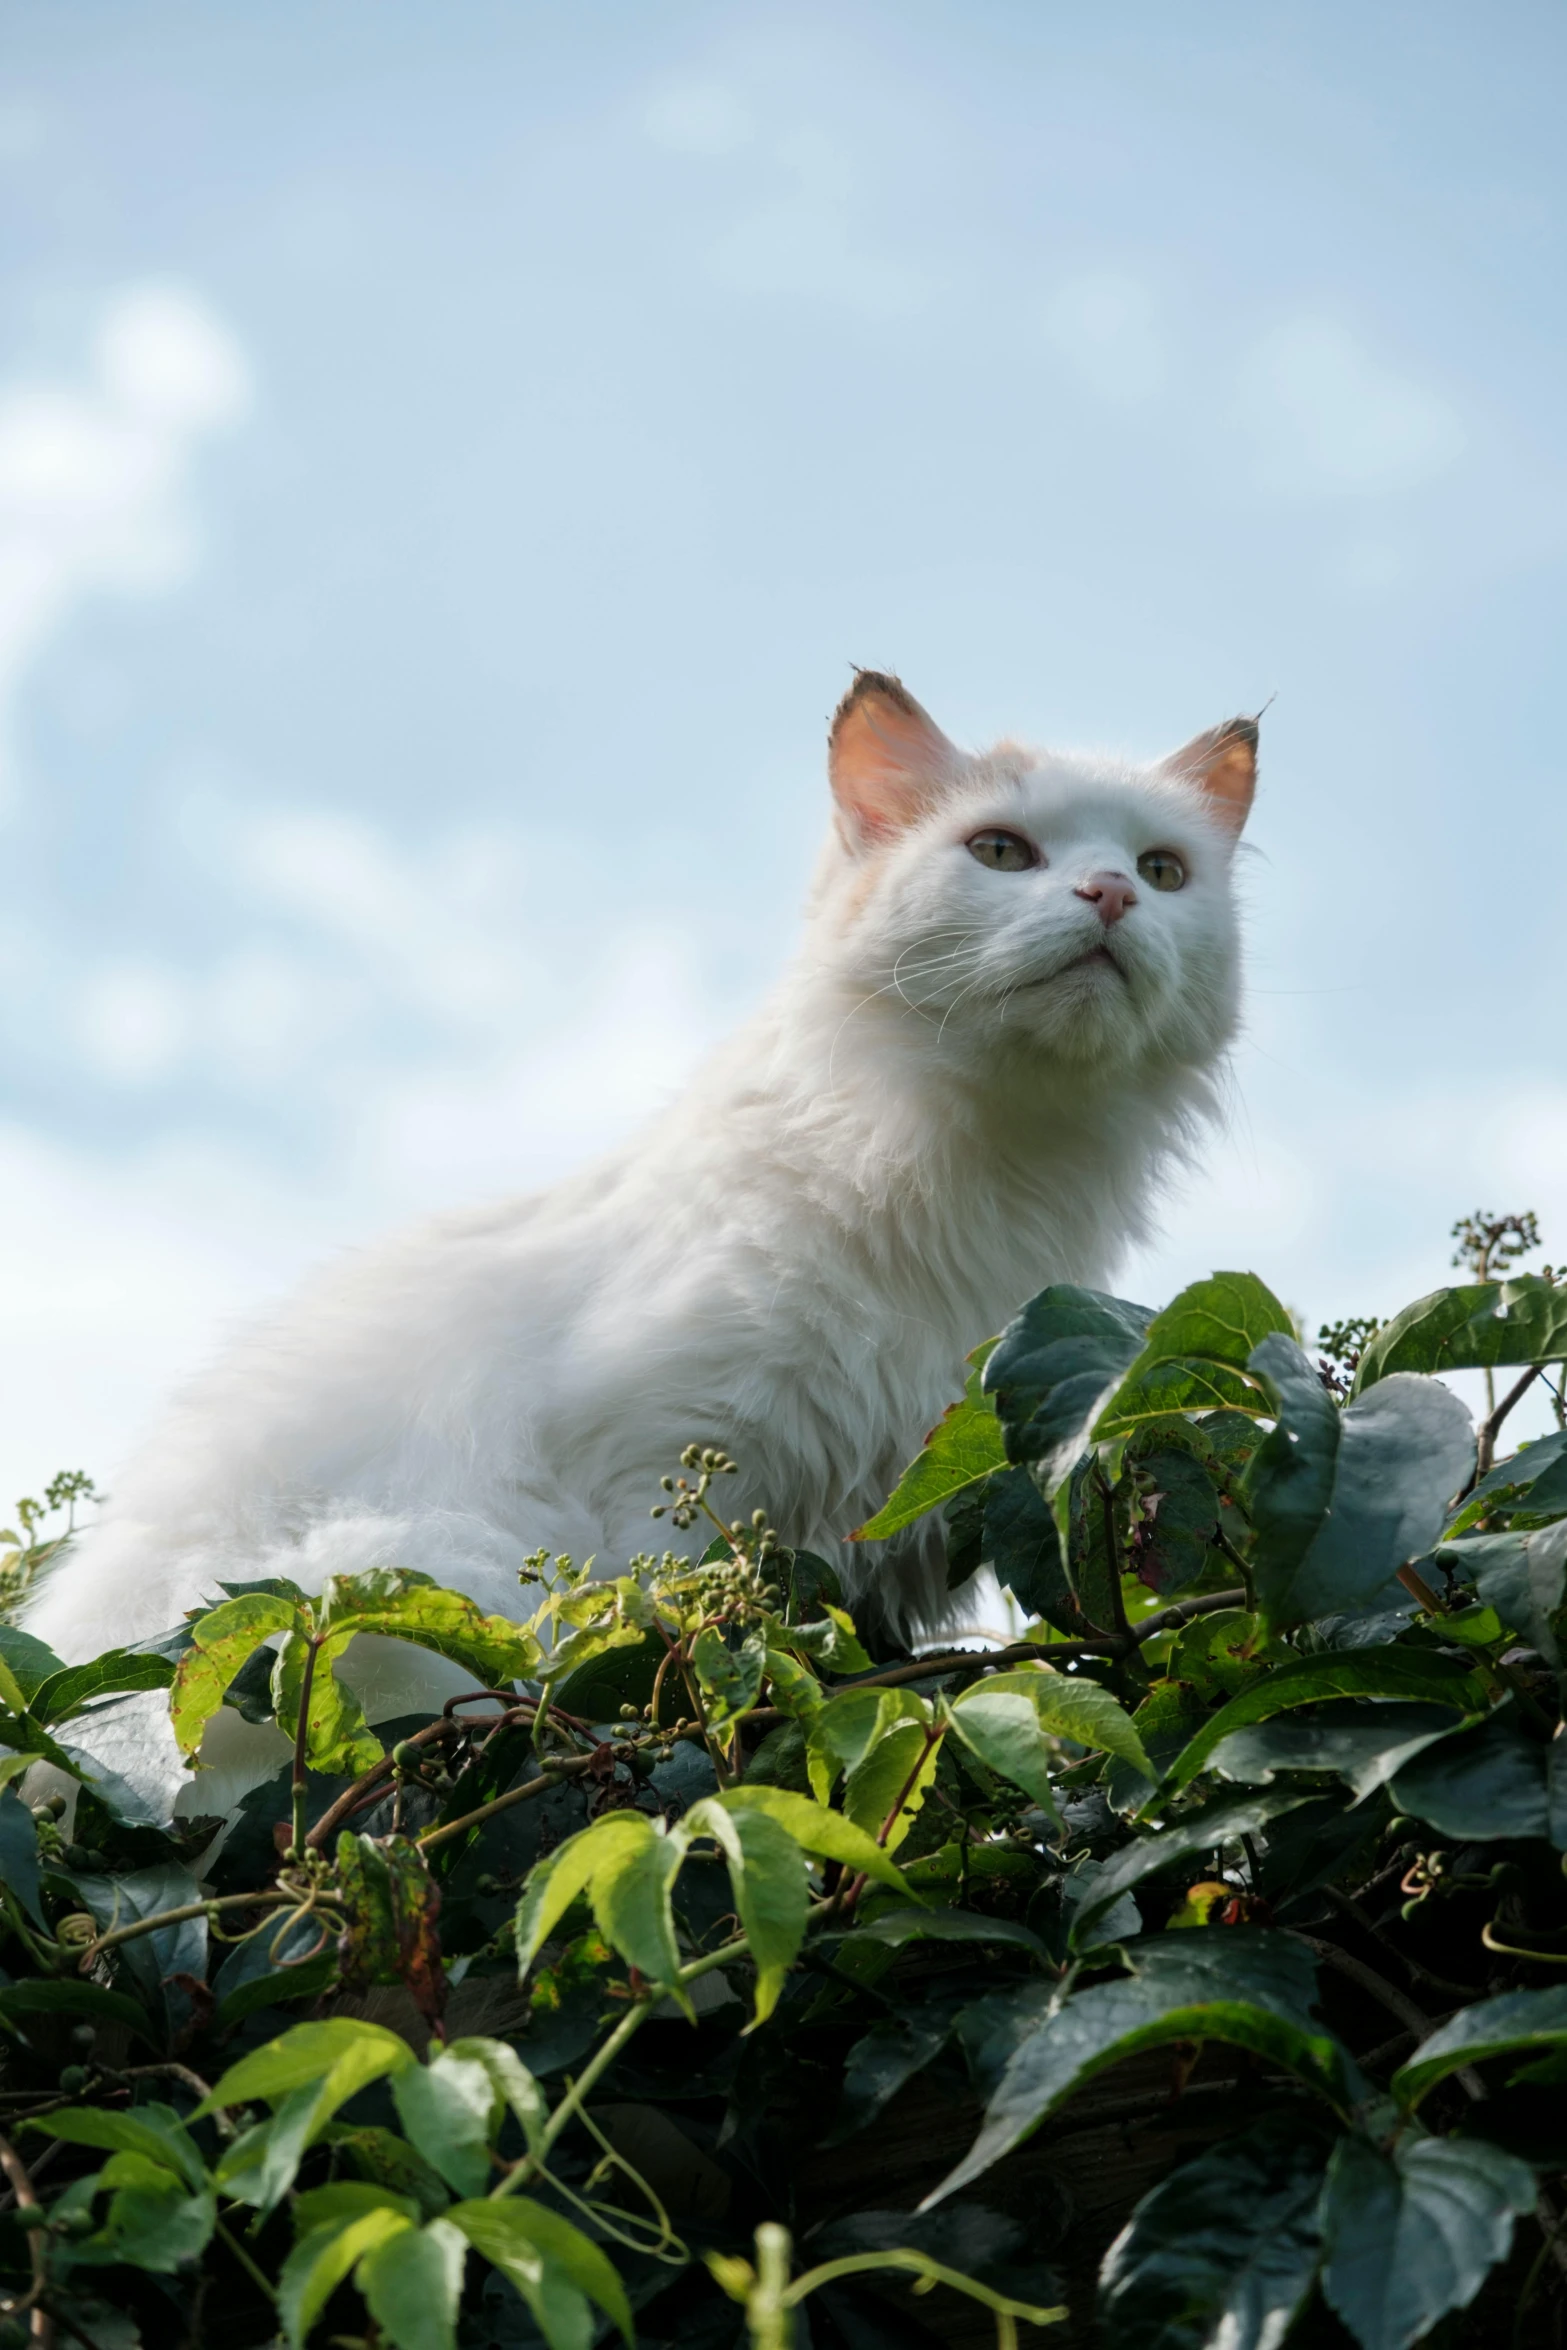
pixel 1093 959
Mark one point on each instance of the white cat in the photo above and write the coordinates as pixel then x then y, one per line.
pixel 1019 972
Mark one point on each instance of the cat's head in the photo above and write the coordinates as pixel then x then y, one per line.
pixel 1078 908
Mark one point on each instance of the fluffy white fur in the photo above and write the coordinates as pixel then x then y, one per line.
pixel 941 1108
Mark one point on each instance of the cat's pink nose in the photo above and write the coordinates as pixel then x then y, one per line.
pixel 1109 894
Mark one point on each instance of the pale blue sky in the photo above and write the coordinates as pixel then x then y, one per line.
pixel 450 457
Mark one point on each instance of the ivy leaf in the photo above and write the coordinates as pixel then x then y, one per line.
pixel 965 1445
pixel 338 1737
pixel 1534 1479
pixel 117 1672
pixel 768 1879
pixel 19 1853
pixel 832 1642
pixel 220 1643
pixel 411 2281
pixel 402 1604
pixel 1364 1744
pixel 1473 1326
pixel 555 1882
pixel 885 1790
pixel 1071 1705
pixel 1250 1988
pixel 153 2131
pixel 156 2226
pixel 553 2265
pixel 841 1732
pixel 1199 1831
pixel 320 2261
pixel 511 2083
pixel 392 1904
pixel 1021 1544
pixel 28 1661
pixel 1514 2023
pixel 1479 1784
pixel 1424 1675
pixel 340 2049
pixel 1196 1354
pixel 1521 1576
pixel 630 1895
pixel 1003 1728
pixel 68 1995
pixel 1412 2235
pixel 1225 2250
pixel 1054 1369
pixel 818 1830
pixel 1342 1499
pixel 447 2107
pixel 890 2054
pixel 731 1678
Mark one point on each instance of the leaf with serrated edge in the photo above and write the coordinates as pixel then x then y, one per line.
pixel 320 2261
pixel 1411 2235
pixel 220 1643
pixel 965 1445
pixel 821 1831
pixel 768 1880
pixel 1199 1831
pixel 522 2239
pixel 1391 1671
pixel 1515 2023
pixel 412 2283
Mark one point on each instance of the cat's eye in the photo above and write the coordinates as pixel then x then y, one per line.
pixel 1162 868
pixel 1003 852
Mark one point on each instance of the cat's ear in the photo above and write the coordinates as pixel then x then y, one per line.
pixel 887 759
pixel 1223 765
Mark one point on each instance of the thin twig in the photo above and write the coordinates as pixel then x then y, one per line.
pixel 1490 1427
pixel 15 2169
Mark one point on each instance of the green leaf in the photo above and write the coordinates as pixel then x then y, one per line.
pixel 155 2227
pixel 338 1738
pixel 1521 1576
pixel 1479 1784
pixel 153 2131
pixel 220 1644
pixel 447 2108
pixel 1529 2023
pixel 341 2048
pixel 64 1995
pixel 117 1671
pixel 631 1900
pixel 879 2064
pixel 1362 1743
pixel 832 1642
pixel 1196 1354
pixel 320 2261
pixel 19 1853
pixel 1412 2235
pixel 412 2284
pixel 1225 2251
pixel 818 1830
pixel 1534 1479
pixel 1477 1325
pixel 555 1882
pixel 965 1445
pixel 511 2083
pixel 1053 1370
pixel 1003 1728
pixel 1250 1988
pixel 1424 1675
pixel 1342 1499
pixel 28 1660
pixel 303 1979
pixel 345 2199
pixel 840 1733
pixel 1198 1831
pixel 587 1647
pixel 1070 1705
pixel 768 1879
pixel 1167 1720
pixel 730 1678
pixel 898 1926
pixel 538 2251
pixel 884 1792
pixel 401 1604
pixel 1021 1544
pixel 1177 1521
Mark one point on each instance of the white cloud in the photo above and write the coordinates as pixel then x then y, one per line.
pixel 1105 327
pixel 1327 416
pixel 93 478
pixel 133 1022
pixel 698 118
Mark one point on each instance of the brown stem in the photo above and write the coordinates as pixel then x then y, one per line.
pixel 1395 2001
pixel 1418 1588
pixel 1490 1427
pixel 37 2239
pixel 349 1801
pixel 933 1737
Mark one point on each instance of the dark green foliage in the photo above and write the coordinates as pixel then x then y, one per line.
pixel 781 1914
